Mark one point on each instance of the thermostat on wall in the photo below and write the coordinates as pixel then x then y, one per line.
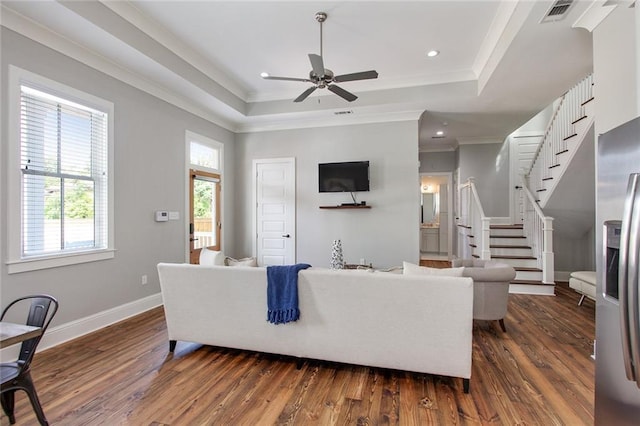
pixel 162 216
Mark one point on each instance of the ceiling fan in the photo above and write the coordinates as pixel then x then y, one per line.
pixel 322 77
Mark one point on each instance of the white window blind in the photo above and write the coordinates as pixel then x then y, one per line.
pixel 64 164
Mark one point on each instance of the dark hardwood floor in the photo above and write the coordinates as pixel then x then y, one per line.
pixel 538 373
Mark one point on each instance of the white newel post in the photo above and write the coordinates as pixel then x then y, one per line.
pixel 548 267
pixel 485 254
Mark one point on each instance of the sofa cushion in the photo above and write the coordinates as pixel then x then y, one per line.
pixel 411 269
pixel 247 261
pixel 586 276
pixel 211 257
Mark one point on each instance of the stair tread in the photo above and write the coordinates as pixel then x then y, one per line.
pixel 534 282
pixel 523 269
pixel 507 236
pixel 508 246
pixel 579 119
pixel 516 226
pixel 587 101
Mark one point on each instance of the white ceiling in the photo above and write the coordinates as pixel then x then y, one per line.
pixel 497 68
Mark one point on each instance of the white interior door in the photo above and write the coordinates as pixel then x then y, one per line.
pixel 275 213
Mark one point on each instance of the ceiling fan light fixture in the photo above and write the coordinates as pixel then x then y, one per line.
pixel 433 53
pixel 323 78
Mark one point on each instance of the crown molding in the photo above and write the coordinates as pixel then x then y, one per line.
pixel 479 140
pixel 40 34
pixel 507 23
pixel 307 121
pixel 594 15
pixel 241 124
pixel 130 13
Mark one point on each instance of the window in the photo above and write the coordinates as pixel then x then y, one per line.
pixel 204 153
pixel 205 156
pixel 62 167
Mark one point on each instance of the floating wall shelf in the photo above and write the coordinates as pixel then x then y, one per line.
pixel 345 207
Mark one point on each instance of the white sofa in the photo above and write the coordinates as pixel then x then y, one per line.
pixel 412 323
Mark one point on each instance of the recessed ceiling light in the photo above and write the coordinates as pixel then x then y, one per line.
pixel 264 74
pixel 439 133
pixel 432 53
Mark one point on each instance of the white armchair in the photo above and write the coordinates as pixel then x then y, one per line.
pixel 490 287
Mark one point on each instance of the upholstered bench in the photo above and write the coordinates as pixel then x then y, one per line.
pixel 584 282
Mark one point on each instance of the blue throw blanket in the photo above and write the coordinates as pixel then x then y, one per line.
pixel 282 293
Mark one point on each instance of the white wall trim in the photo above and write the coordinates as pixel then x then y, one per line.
pixel 299 121
pixel 72 330
pixel 52 40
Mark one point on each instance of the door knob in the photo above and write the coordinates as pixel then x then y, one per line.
pixel 286 236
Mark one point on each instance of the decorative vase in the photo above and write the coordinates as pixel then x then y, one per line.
pixel 337 262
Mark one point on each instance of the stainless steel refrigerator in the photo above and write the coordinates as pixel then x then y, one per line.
pixel 617 349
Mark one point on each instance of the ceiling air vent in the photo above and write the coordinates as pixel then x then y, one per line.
pixel 343 112
pixel 557 11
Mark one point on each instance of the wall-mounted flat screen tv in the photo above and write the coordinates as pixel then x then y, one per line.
pixel 352 176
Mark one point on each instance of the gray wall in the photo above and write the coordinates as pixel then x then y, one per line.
pixel 573 253
pixel 437 162
pixel 149 175
pixel 489 165
pixel 384 235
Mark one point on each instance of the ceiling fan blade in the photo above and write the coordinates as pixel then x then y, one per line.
pixel 304 94
pixel 317 64
pixel 342 93
pixel 272 77
pixel 364 75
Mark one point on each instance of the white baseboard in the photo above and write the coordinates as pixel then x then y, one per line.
pixel 74 329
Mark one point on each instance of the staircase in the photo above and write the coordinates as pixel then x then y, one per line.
pixel 508 244
pixel 528 246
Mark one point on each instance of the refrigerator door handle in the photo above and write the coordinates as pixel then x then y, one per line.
pixel 632 286
pixel 628 279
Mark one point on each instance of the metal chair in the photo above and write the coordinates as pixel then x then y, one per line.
pixel 17 375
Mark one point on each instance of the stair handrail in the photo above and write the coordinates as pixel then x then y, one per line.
pixel 473 219
pixel 538 229
pixel 547 131
pixel 568 112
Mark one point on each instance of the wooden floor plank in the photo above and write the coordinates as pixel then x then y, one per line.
pixel 538 372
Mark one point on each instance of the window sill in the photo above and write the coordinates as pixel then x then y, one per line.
pixel 35 264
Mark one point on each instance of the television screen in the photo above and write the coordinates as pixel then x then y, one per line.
pixel 350 176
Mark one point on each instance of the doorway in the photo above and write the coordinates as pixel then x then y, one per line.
pixel 436 216
pixel 204 213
